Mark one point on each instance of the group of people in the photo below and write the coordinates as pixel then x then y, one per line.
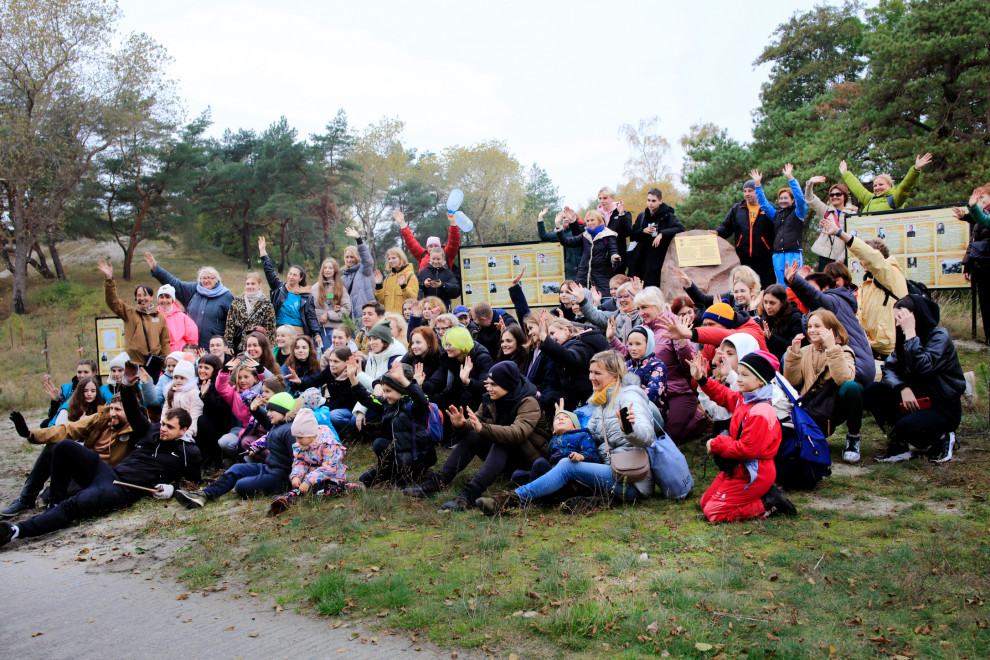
pixel 583 405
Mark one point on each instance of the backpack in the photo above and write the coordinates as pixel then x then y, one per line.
pixel 803 457
pixel 435 426
pixel 913 286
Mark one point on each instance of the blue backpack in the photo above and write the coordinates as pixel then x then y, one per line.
pixel 435 427
pixel 803 458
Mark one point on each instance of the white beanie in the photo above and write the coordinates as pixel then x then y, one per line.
pixel 185 369
pixel 178 356
pixel 119 361
pixel 166 289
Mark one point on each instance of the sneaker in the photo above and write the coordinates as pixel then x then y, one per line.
pixel 194 500
pixel 16 507
pixel 851 454
pixel 894 454
pixel 6 533
pixel 459 503
pixel 496 506
pixel 944 448
pixel 775 502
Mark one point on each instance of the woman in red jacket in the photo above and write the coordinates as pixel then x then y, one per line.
pixel 744 488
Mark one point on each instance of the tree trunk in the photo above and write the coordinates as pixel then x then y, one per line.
pixel 41 265
pixel 20 275
pixel 57 260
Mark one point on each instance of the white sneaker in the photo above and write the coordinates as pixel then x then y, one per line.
pixel 851 454
pixel 888 457
pixel 947 444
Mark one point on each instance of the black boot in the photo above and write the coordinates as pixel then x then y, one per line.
pixel 775 502
pixel 462 502
pixel 369 478
pixel 429 486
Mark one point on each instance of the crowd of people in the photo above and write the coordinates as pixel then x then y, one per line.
pixel 583 405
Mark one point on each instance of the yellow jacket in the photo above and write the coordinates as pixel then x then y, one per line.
pixel 392 295
pixel 876 307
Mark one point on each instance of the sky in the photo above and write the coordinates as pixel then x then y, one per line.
pixel 553 80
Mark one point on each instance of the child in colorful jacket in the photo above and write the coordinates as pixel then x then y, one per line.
pixel 317 455
pixel 648 367
pixel 568 439
pixel 744 488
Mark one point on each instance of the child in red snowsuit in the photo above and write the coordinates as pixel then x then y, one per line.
pixel 744 488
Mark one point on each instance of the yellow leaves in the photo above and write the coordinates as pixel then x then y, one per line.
pixel 701 646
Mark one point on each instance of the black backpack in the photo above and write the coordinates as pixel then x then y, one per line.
pixel 913 286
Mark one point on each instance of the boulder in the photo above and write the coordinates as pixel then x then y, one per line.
pixel 710 279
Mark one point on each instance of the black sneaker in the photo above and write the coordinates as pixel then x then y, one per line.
pixel 369 478
pixel 459 503
pixel 776 502
pixel 894 453
pixel 197 499
pixel 944 448
pixel 16 507
pixel 6 533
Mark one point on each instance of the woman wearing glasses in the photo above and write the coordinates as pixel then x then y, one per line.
pixel 829 248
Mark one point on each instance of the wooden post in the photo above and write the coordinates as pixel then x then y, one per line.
pixel 48 361
pixel 972 301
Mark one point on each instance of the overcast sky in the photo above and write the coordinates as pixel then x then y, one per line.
pixel 554 80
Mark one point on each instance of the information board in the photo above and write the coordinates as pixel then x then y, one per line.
pixel 487 272
pixel 928 243
pixel 109 341
pixel 700 250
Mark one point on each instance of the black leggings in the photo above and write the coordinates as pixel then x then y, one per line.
pixel 920 429
pixel 498 460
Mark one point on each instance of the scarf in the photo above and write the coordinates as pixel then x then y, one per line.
pixel 252 299
pixel 597 230
pixel 218 290
pixel 600 397
pixel 765 393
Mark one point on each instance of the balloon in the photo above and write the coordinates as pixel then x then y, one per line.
pixel 463 221
pixel 454 202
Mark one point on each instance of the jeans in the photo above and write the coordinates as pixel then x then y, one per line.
pixel 498 460
pixel 780 262
pixel 594 475
pixel 341 419
pixel 248 479
pixel 230 443
pixel 73 462
pixel 920 429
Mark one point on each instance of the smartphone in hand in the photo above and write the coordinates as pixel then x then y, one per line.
pixel 624 420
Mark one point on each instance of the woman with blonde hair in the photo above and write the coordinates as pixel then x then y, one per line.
pixel 332 301
pixel 570 346
pixel 600 255
pixel 744 294
pixel 358 273
pixel 248 311
pixel 401 283
pixel 400 329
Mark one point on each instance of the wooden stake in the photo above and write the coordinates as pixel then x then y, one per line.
pixel 134 486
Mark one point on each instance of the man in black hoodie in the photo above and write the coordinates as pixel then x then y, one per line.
pixel 162 453
pixel 918 401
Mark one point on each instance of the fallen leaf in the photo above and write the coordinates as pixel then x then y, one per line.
pixel 229 628
pixel 253 634
pixel 182 597
pixel 35 634
pixel 186 620
pixel 701 646
pixel 652 628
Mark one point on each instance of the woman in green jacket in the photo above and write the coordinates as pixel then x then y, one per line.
pixel 885 197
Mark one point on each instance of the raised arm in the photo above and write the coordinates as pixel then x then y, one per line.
pixel 817 205
pixel 132 410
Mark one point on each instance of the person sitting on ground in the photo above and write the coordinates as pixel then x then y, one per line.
pixel 220 348
pixel 160 455
pixel 744 296
pixel 184 393
pixel 317 463
pixel 423 354
pixel 744 487
pixel 600 256
pixel 105 432
pixel 292 299
pixel 238 387
pixel 683 308
pixel 918 401
pixel 258 352
pixel 490 323
pixel 247 311
pixel 85 400
pixel 613 391
pixel 340 399
pixel 828 360
pixel 645 365
pixel 509 432
pixel 571 346
pixel 820 291
pixel 85 368
pixel 422 255
pixel 718 322
pixel 788 220
pixel 514 347
pixel 569 440
pixel 303 363
pixel 883 198
pixel 459 381
pixel 400 284
pixel 181 329
pixel 839 207
pixel 247 479
pixel 883 285
pixel 404 450
pixel 206 300
pixel 383 351
pixel 285 339
pixel 145 328
pixel 781 320
pixel 371 314
pixel 540 369
pixel 436 279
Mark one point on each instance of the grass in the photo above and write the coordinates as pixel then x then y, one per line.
pixel 838 580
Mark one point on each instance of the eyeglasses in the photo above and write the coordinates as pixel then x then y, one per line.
pixel 836 194
pixel 624 296
pixel 439 329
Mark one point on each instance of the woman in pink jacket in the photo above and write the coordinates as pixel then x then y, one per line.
pixel 181 329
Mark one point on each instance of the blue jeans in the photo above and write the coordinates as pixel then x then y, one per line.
pixel 342 418
pixel 247 479
pixel 780 262
pixel 596 476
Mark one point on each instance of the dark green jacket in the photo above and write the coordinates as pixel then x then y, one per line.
pixel 572 255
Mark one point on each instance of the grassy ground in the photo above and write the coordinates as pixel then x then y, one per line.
pixel 882 560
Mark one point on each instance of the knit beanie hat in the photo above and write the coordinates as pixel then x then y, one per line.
pixel 763 364
pixel 175 355
pixel 119 361
pixel 305 425
pixel 184 369
pixel 505 374
pixel 407 371
pixel 458 338
pixel 382 330
pixel 312 398
pixel 571 416
pixel 749 184
pixel 433 241
pixel 720 313
pixel 281 403
pixel 274 384
pixel 166 289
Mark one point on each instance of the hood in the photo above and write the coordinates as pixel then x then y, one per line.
pixel 744 344
pixel 926 313
pixel 741 318
pixel 847 294
pixel 651 344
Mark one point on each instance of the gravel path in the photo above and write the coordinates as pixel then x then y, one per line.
pixel 53 608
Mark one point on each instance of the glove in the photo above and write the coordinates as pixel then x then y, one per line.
pixel 19 424
pixel 163 491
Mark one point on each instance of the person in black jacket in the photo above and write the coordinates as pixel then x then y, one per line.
pixel 571 347
pixel 292 299
pixel 459 381
pixel 216 419
pixel 162 453
pixel 489 323
pixel 619 220
pixel 781 320
pixel 601 254
pixel 575 226
pixel 755 232
pixel 269 477
pixel 438 280
pixel 655 228
pixel 918 400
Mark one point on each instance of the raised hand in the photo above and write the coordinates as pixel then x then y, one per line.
pixel 256 402
pixel 473 420
pixel 637 285
pixel 829 227
pixel 675 329
pixel 757 178
pixel 818 178
pixel 466 370
pixel 262 249
pixel 200 352
pixel 403 279
pixel 682 276
pixel 543 213
pixel 576 291
pixel 827 337
pixel 619 205
pixel 20 425
pixel 796 342
pixel 351 232
pixel 50 388
pixel 352 369
pixel 698 366
pixel 500 324
pixel 398 373
pixel 143 375
pixel 451 219
pixel 789 171
pixel 722 362
pixel 456 415
pixel 399 217
pixel 960 212
pixel 105 267
pixel 843 168
pixel 544 325
pixel 974 199
pixel 559 407
pixel 204 388
pixel 596 296
pixel 921 161
pixel 293 377
pixel 419 373
pixel 379 278
pixel 610 329
pixel 558 221
pixel 804 270
pixel 150 260
pixel 515 280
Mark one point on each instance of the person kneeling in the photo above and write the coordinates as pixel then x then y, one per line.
pixel 744 488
